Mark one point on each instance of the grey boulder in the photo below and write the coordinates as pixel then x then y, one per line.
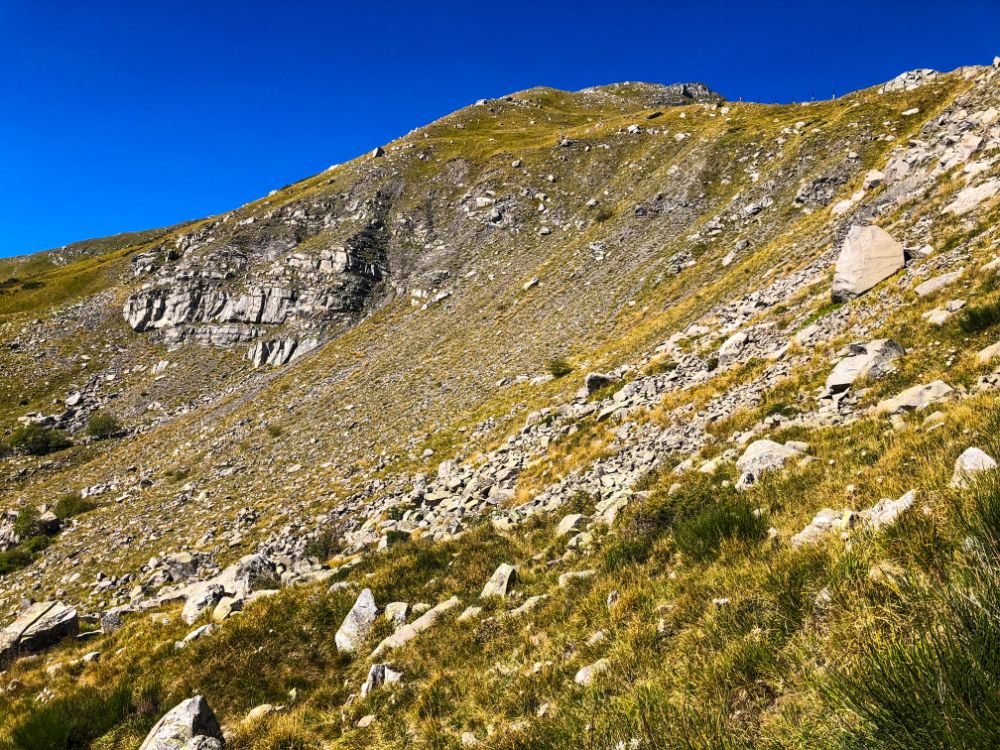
pixel 191 724
pixel 869 255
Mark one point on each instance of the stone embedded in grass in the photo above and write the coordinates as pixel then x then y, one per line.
pixel 871 360
pixel 188 721
pixel 989 353
pixel 200 597
pixel 886 511
pixel 568 523
pixel 971 197
pixel 760 457
pixel 501 582
pixel 378 675
pixel 195 635
pixel 574 575
pixel 917 398
pixel 972 461
pixel 937 283
pixel 869 255
pixel 264 710
pixel 587 675
pixel 395 612
pixel 357 624
pixel 408 632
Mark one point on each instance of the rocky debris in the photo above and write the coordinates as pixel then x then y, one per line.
pixel 586 676
pixel 908 81
pixel 357 624
pixel 190 724
pixel 408 632
pixel 972 461
pixel 872 360
pixel 378 675
pixel 38 627
pixel 501 582
pixel 828 521
pixel 869 255
pixel 280 351
pixel 917 398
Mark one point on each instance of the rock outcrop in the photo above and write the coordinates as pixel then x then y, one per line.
pixel 191 724
pixel 38 627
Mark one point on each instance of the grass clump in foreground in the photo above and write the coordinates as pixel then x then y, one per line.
pixel 980 317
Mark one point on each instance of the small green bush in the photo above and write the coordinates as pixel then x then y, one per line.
pixel 14 559
pixel 72 504
pixel 28 523
pixel 36 440
pixel 603 214
pixel 559 367
pixel 102 425
pixel 73 720
pixel 733 518
pixel 980 317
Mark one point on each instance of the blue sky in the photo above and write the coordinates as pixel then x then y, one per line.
pixel 119 116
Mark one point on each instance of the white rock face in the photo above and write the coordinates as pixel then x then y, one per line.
pixel 500 582
pixel 869 255
pixel 873 360
pixel 188 721
pixel 916 398
pixel 357 624
pixel 972 461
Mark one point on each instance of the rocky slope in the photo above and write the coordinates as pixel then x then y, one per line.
pixel 656 353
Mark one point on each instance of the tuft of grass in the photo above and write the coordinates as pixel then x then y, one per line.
pixel 102 425
pixel 558 367
pixel 732 518
pixel 72 504
pixel 980 317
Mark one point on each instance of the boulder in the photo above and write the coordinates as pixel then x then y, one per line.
pixel 871 360
pixel 916 398
pixel 40 626
pixel 869 255
pixel 396 612
pixel 501 582
pixel 597 380
pixel 764 455
pixel 357 624
pixel 568 523
pixel 972 461
pixel 200 597
pixel 989 353
pixel 190 724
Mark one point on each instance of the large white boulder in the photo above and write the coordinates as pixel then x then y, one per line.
pixel 868 256
pixel 357 624
pixel 917 398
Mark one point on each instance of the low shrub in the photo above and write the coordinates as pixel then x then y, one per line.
pixel 36 440
pixel 559 367
pixel 102 425
pixel 72 504
pixel 980 317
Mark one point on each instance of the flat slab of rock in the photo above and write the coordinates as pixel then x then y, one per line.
pixel 871 360
pixel 408 632
pixel 916 398
pixel 183 725
pixel 765 455
pixel 40 626
pixel 869 255
pixel 970 197
pixel 937 283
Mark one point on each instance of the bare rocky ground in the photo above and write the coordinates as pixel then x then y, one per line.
pixel 521 312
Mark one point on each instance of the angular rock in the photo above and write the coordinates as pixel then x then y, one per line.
pixel 869 255
pixel 916 398
pixel 501 582
pixel 937 283
pixel 189 720
pixel 871 360
pixel 408 632
pixel 357 624
pixel 40 626
pixel 972 461
pixel 765 455
pixel 378 675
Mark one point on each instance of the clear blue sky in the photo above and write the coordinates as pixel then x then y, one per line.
pixel 119 116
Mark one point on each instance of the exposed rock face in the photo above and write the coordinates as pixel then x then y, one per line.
pixel 231 295
pixel 909 80
pixel 871 360
pixel 41 625
pixel 190 724
pixel 868 256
